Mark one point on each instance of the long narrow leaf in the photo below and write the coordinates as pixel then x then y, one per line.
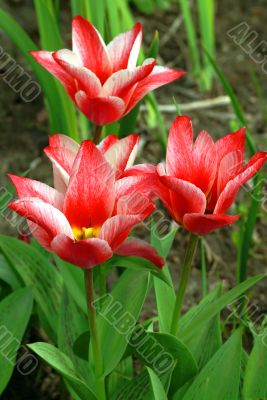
pixel 15 311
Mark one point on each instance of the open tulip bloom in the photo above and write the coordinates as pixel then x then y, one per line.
pixel 104 81
pixel 202 178
pixel 87 217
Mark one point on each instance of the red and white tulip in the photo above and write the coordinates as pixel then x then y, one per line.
pixel 84 219
pixel 103 80
pixel 202 178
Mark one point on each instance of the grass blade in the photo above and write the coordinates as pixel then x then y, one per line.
pixel 206 21
pixel 191 37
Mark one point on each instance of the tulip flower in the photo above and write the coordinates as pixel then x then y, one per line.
pixel 88 222
pixel 62 151
pixel 103 80
pixel 202 178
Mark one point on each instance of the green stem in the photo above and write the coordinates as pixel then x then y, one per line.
pixel 203 269
pixel 100 381
pixel 97 133
pixel 183 283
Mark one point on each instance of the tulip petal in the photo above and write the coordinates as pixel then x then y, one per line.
pixel 139 248
pixel 159 76
pixel 84 253
pixel 230 191
pixel 43 214
pixel 179 149
pixel 205 162
pixel 230 149
pixel 45 58
pixel 62 151
pixel 122 154
pixel 133 185
pixel 202 224
pixel 90 195
pixel 140 169
pixel 60 178
pixel 231 165
pixel 120 83
pixel 66 56
pixel 86 80
pixel 124 48
pixel 185 197
pixel 63 160
pixel 116 229
pixel 26 187
pixel 135 193
pixel 106 143
pixel 230 143
pixel 64 141
pixel 90 47
pixel 100 110
pixel 135 203
pixel 40 235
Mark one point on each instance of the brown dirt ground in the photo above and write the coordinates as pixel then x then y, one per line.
pixel 24 131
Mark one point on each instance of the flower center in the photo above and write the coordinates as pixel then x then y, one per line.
pixel 85 233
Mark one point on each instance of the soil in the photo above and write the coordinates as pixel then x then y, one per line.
pixel 24 131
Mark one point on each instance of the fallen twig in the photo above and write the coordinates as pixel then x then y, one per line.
pixel 194 105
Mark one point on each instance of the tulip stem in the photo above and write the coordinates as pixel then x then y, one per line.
pixel 97 133
pixel 96 348
pixel 183 283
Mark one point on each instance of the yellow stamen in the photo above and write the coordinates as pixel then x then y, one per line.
pixel 85 233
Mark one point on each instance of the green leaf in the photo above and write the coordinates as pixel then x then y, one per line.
pixel 81 345
pixel 163 244
pixel 165 299
pixel 165 295
pixel 139 388
pixel 61 363
pixel 207 342
pixel 114 28
pixel 49 32
pixel 73 278
pixel 206 21
pixel 120 377
pixel 118 317
pixel 137 264
pixel 15 312
pixel 191 37
pixel 158 389
pixel 255 382
pixel 162 352
pixel 8 275
pixel 128 123
pixel 37 273
pixel 154 46
pixel 203 345
pixel 191 326
pixel 220 378
pixel 72 323
pixel 247 227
